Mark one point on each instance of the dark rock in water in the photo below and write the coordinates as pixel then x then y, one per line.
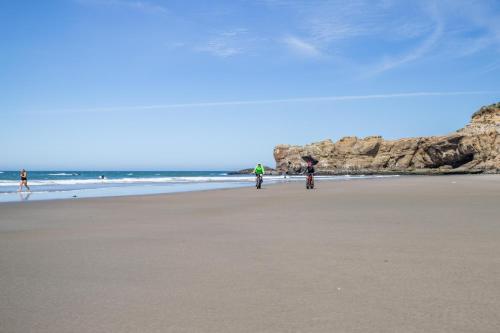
pixel 268 171
pixel 472 149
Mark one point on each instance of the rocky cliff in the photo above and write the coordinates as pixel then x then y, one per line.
pixel 474 148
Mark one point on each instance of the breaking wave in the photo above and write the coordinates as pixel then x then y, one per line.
pixel 166 180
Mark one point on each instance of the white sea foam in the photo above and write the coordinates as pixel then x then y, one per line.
pixel 166 180
pixel 61 174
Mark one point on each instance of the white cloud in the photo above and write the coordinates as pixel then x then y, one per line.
pixel 443 30
pixel 331 22
pixel 396 33
pixel 302 47
pixel 146 6
pixel 228 43
pixel 328 27
pixel 424 47
pixel 139 5
pixel 492 67
pixel 234 32
pixel 476 28
pixel 276 101
pixel 219 48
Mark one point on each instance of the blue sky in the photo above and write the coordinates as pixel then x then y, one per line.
pixel 152 84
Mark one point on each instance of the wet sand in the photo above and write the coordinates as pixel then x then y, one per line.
pixel 408 254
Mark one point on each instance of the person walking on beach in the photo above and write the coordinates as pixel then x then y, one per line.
pixel 24 180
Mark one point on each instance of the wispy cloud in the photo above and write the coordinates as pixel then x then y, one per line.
pixel 424 47
pixel 332 21
pixel 448 29
pixel 375 36
pixel 476 28
pixel 492 67
pixel 302 47
pixel 219 48
pixel 333 26
pixel 272 101
pixel 227 43
pixel 140 5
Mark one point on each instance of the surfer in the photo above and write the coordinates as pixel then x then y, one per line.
pixel 24 180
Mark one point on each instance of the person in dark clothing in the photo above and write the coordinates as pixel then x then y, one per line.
pixel 309 175
pixel 24 180
pixel 310 169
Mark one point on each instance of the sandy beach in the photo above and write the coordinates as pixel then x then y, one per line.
pixel 406 254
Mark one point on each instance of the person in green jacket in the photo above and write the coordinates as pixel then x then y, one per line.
pixel 259 172
pixel 259 169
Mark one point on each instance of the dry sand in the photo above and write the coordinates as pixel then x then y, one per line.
pixel 411 254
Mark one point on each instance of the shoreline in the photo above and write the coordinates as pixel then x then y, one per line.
pixel 122 196
pixel 370 172
pixel 355 178
pixel 158 189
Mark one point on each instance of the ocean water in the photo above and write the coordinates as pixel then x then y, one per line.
pixel 46 185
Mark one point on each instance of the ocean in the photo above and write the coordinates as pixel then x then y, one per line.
pixel 47 185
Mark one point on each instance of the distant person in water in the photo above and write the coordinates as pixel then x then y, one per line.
pixel 24 180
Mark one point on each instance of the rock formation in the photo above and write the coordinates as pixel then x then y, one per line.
pixel 268 171
pixel 472 149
